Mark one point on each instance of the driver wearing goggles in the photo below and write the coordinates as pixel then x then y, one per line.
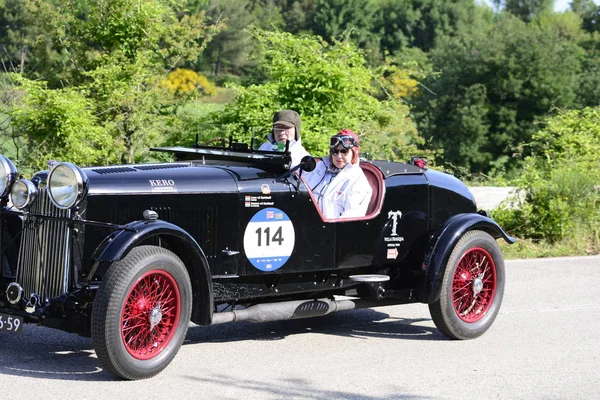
pixel 338 183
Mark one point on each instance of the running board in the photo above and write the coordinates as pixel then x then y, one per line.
pixel 371 278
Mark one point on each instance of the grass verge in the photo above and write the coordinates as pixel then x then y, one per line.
pixel 527 248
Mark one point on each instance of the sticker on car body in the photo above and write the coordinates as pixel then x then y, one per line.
pixel 394 240
pixel 269 239
pixel 258 201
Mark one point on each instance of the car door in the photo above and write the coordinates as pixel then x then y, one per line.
pixel 280 230
pixel 402 224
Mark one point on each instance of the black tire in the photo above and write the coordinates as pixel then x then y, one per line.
pixel 141 313
pixel 472 287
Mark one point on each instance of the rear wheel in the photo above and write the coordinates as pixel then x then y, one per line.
pixel 141 313
pixel 472 287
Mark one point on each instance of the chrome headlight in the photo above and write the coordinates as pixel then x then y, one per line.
pixel 23 193
pixel 8 174
pixel 67 185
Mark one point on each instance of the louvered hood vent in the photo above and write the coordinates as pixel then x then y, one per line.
pixel 134 168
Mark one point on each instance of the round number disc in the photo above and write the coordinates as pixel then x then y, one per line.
pixel 269 239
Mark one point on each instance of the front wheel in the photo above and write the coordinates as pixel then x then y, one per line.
pixel 141 312
pixel 472 287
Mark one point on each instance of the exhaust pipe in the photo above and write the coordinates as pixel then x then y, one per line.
pixel 293 310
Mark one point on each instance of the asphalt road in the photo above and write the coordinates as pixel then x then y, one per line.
pixel 543 345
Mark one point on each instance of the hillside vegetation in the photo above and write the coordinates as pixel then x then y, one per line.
pixel 505 94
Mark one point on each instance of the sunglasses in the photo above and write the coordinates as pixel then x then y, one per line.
pixel 346 141
pixel 336 152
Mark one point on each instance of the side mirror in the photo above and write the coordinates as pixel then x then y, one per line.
pixel 308 163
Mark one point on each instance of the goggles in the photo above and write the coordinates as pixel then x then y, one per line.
pixel 346 141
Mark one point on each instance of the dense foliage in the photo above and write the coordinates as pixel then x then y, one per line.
pixel 331 87
pixel 560 183
pixel 496 85
pixel 60 125
pixel 498 74
pixel 482 80
pixel 511 89
pixel 103 82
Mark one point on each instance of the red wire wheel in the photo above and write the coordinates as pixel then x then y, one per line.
pixel 150 314
pixel 471 288
pixel 474 285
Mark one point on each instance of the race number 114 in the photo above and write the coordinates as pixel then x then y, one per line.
pixel 277 236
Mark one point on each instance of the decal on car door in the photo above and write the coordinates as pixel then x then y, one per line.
pixel 394 240
pixel 269 239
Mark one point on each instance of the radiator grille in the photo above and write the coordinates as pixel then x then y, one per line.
pixel 44 261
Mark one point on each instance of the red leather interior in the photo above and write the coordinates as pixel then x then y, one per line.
pixel 375 178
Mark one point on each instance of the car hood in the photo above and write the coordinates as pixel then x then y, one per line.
pixel 160 178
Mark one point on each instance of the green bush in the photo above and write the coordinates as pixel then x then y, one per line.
pixel 560 182
pixel 57 124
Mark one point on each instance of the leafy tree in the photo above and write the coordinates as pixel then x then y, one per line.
pixel 494 87
pixel 571 135
pixel 334 18
pixel 525 9
pixel 568 26
pixel 228 53
pixel 229 50
pixel 297 15
pixel 99 33
pixel 589 78
pixel 16 52
pixel 59 124
pixel 410 23
pixel 267 14
pixel 115 55
pixel 330 86
pixel 12 30
pixel 589 13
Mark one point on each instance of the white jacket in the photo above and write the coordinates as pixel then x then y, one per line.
pixel 297 151
pixel 344 195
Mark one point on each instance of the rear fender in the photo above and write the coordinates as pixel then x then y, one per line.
pixel 442 243
pixel 118 244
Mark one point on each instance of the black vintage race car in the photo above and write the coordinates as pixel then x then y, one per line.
pixel 131 254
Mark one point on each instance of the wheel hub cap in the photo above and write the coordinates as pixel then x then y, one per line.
pixel 477 286
pixel 155 316
pixel 474 284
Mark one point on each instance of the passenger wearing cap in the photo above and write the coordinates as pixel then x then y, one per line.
pixel 338 183
pixel 286 126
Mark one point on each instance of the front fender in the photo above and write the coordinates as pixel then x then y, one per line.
pixel 118 244
pixel 442 243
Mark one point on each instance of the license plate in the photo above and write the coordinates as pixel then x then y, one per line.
pixel 11 323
